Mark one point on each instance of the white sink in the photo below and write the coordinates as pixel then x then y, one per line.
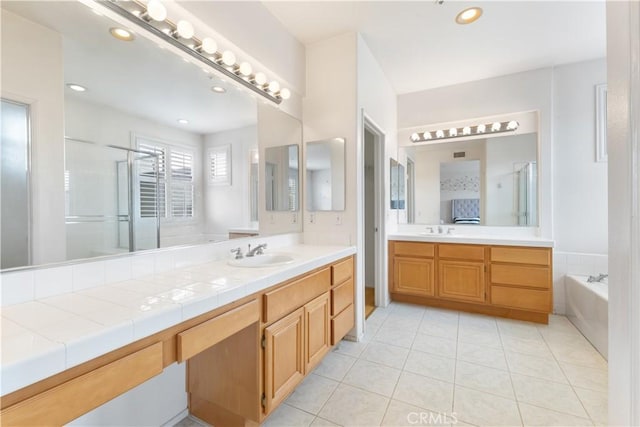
pixel 266 260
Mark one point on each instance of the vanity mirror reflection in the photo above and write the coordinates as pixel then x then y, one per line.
pixel 487 180
pixel 131 147
pixel 325 175
pixel 281 178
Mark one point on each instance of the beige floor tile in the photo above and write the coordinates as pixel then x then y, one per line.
pixel 483 337
pixel 435 345
pixel 190 421
pixel 486 356
pixel 335 366
pixel 559 323
pixel 441 315
pixel 547 394
pixel 372 377
pixel 321 422
pixel 531 346
pixel 438 328
pixel 385 354
pixel 518 328
pixel 312 394
pixel 424 392
pixel 288 416
pixel 589 378
pixel 485 409
pixel 482 378
pixel 581 354
pixel 350 348
pixel 400 414
pixel 405 321
pixel 398 337
pixel 478 321
pixel 536 416
pixel 596 403
pixel 544 368
pixel 350 406
pixel 430 365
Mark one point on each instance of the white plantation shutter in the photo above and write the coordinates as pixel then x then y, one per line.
pixel 219 165
pixel 152 197
pixel 181 184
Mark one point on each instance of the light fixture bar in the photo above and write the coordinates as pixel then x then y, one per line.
pixel 464 131
pixel 217 64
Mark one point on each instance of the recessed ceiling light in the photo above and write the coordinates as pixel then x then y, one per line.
pixel 76 87
pixel 183 121
pixel 469 15
pixel 218 89
pixel 121 34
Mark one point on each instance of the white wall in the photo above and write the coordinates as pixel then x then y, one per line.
pixel 228 206
pixel 579 182
pixel 32 73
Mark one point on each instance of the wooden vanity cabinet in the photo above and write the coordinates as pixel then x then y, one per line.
pixel 461 272
pixel 413 268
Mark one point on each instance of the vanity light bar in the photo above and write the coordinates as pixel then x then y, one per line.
pixel 465 131
pixel 152 17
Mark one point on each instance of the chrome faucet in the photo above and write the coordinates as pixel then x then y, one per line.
pixel 258 250
pixel 440 229
pixel 449 230
pixel 238 253
pixel 597 278
pixel 430 229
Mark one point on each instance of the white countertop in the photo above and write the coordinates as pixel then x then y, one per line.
pixel 472 239
pixel 46 336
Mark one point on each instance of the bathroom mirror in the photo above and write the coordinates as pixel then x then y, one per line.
pixel 397 179
pixel 194 139
pixel 325 175
pixel 491 181
pixel 281 178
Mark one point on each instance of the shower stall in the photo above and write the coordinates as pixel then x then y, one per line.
pixel 526 197
pixel 113 199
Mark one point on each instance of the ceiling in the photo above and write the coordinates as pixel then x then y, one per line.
pixel 419 46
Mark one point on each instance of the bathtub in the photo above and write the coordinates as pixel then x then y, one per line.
pixel 588 309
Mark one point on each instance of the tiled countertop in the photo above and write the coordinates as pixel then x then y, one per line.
pixel 472 239
pixel 46 336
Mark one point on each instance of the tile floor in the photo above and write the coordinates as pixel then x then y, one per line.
pixel 424 366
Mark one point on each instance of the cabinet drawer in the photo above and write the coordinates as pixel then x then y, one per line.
pixel 341 271
pixel 200 337
pixel 342 324
pixel 537 256
pixel 505 274
pixel 284 300
pixel 465 252
pixel 414 249
pixel 341 297
pixel 78 396
pixel 525 299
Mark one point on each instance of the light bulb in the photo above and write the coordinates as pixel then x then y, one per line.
pixel 440 134
pixel 209 45
pixel 228 58
pixel 469 15
pixel 156 10
pixel 496 126
pixel 466 130
pixel 274 86
pixel 415 137
pixel 513 125
pixel 426 135
pixel 453 132
pixel 76 87
pixel 245 69
pixel 285 93
pixel 183 121
pixel 185 29
pixel 481 129
pixel 121 34
pixel 260 78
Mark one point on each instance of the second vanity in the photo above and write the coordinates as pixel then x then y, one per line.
pixel 244 356
pixel 497 276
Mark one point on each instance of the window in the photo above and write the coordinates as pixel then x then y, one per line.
pixel 219 165
pixel 174 194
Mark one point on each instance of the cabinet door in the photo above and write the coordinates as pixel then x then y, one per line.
pixel 284 358
pixel 413 276
pixel 316 314
pixel 461 280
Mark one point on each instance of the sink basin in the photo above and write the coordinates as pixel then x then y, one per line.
pixel 266 260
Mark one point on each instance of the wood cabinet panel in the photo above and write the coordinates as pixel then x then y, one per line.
pixel 284 358
pixel 341 297
pixel 341 271
pixel 76 397
pixel 342 324
pixel 526 299
pixel 413 276
pixel 461 280
pixel 506 274
pixel 317 334
pixel 464 252
pixel 200 337
pixel 283 300
pixel 519 255
pixel 415 249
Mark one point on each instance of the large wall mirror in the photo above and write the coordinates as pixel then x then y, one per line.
pixel 131 146
pixel 325 175
pixel 489 181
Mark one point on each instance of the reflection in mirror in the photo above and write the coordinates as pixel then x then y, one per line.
pixel 281 178
pixel 490 181
pixel 397 185
pixel 325 175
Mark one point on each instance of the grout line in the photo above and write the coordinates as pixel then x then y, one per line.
pixel 513 388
